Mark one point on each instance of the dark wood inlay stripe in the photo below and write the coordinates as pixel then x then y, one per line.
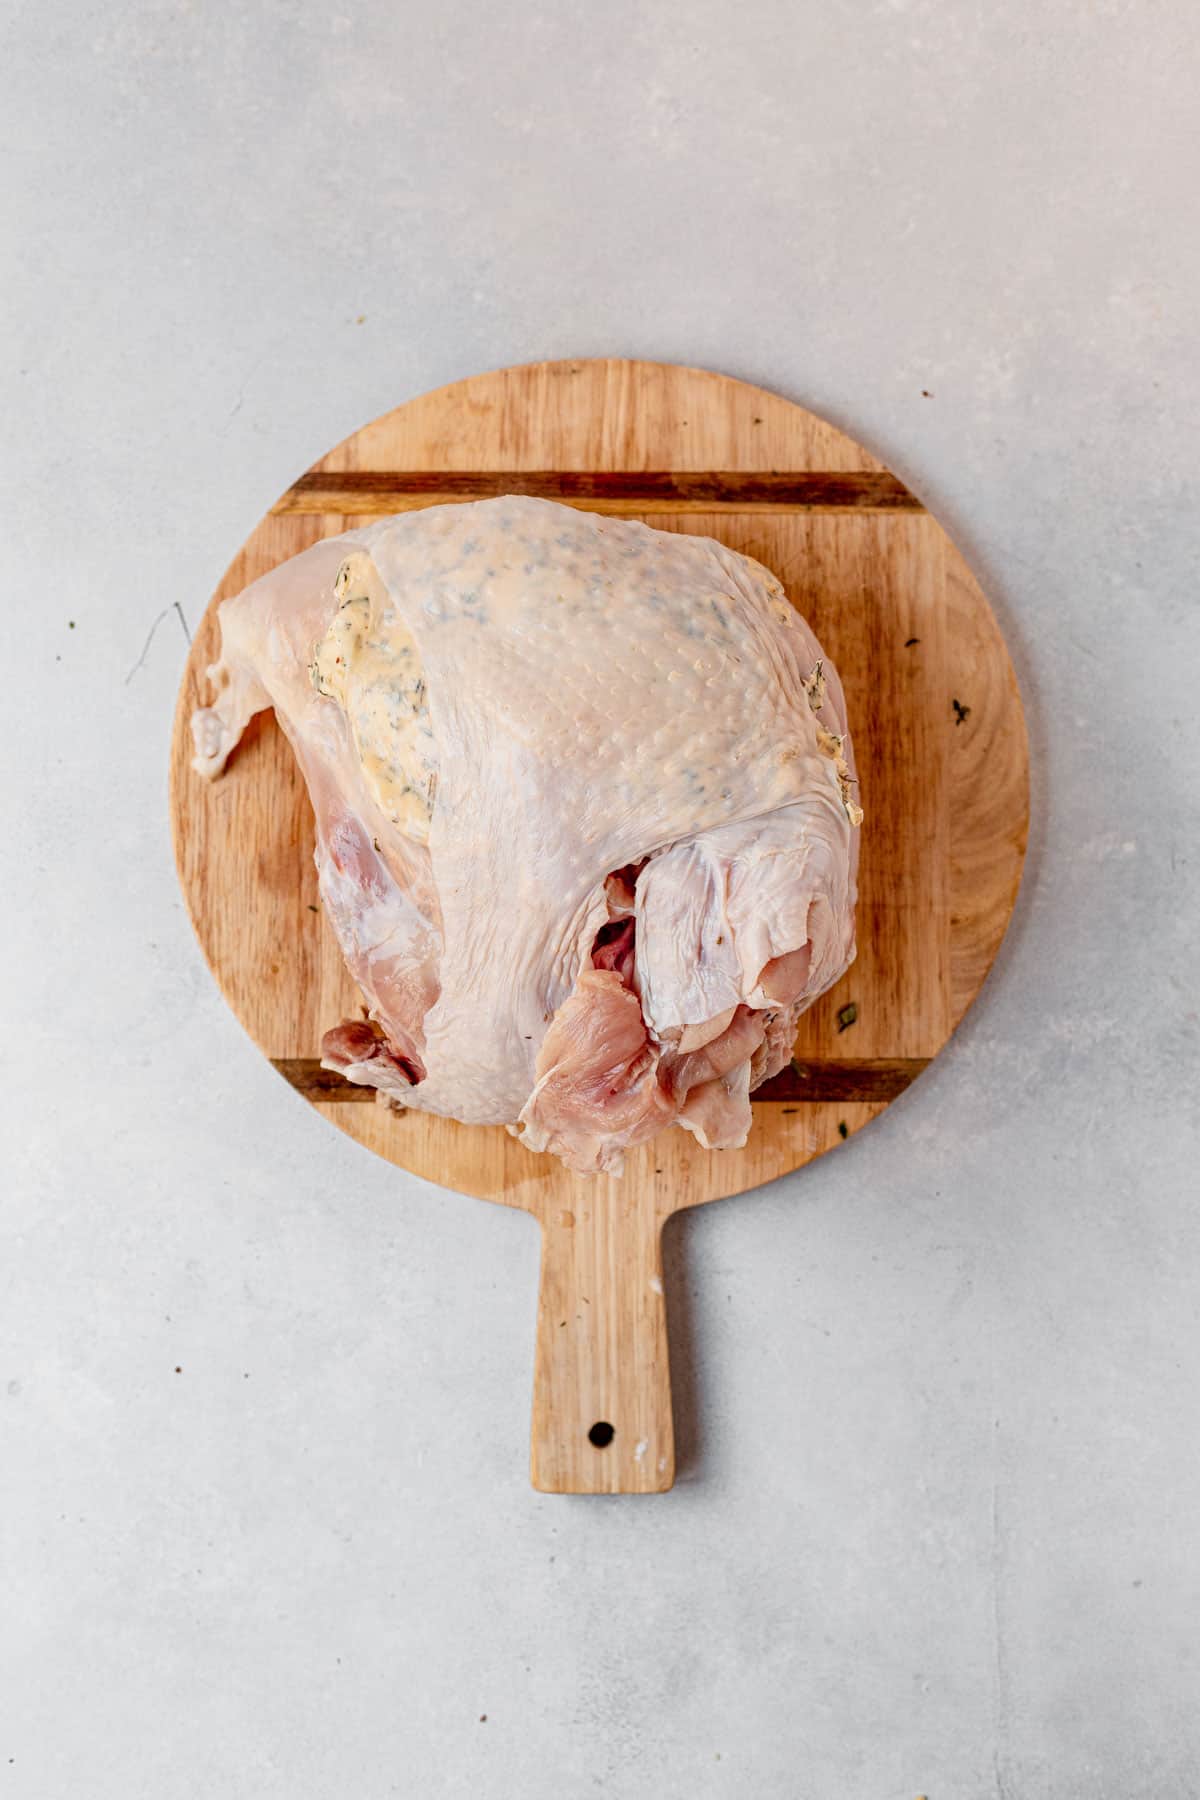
pixel 634 491
pixel 870 1080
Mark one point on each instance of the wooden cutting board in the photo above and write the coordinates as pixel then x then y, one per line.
pixel 942 759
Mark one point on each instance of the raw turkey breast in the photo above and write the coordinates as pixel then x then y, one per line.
pixel 584 806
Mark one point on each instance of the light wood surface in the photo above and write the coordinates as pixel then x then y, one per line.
pixel 941 749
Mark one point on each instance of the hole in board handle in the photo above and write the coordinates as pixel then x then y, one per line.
pixel 601 1434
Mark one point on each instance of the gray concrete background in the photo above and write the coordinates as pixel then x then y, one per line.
pixel 264 1401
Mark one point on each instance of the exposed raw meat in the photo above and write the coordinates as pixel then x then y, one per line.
pixel 585 814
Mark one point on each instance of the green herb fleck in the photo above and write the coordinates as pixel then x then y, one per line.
pixel 313 908
pixel 843 1129
pixel 961 712
pixel 848 1016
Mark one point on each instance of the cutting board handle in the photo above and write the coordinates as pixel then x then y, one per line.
pixel 602 1387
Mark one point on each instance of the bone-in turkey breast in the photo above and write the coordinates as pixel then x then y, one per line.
pixel 586 825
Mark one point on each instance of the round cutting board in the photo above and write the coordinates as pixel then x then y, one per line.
pixel 942 760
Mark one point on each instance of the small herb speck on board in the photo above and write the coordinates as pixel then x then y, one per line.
pixel 313 908
pixel 70 624
pixel 848 1016
pixel 909 642
pixel 843 1129
pixel 961 712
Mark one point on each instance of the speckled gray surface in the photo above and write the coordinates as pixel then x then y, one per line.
pixel 264 1504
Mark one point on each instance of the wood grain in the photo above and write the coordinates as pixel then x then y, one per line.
pixel 944 787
